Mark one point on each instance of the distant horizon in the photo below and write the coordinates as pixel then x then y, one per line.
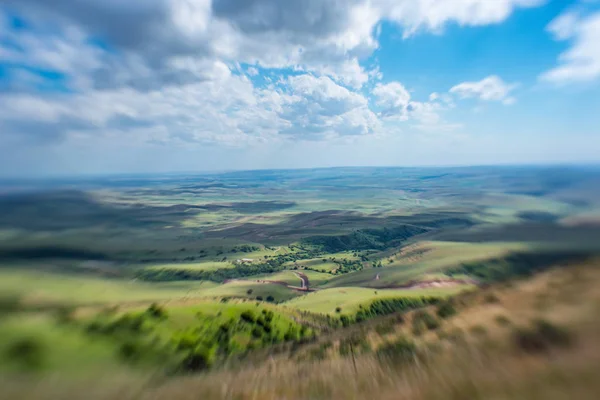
pixel 67 176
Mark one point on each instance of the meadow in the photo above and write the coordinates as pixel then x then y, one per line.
pixel 198 273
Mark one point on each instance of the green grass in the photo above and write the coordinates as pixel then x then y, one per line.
pixel 432 257
pixel 39 287
pixel 63 349
pixel 241 288
pixel 289 277
pixel 206 317
pixel 350 298
pixel 199 266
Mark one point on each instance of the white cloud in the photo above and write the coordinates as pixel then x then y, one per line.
pixel 433 15
pixel 317 107
pixel 323 36
pixel 230 111
pixel 392 98
pixel 396 104
pixel 169 69
pixel 492 88
pixel 581 62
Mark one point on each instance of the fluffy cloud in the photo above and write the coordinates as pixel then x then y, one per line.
pixel 393 98
pixel 491 88
pixel 174 69
pixel 581 62
pixel 396 104
pixel 147 38
pixel 230 111
pixel 432 15
pixel 319 107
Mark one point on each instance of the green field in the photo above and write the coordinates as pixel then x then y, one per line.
pixel 105 249
pixel 65 349
pixel 251 290
pixel 289 277
pixel 200 266
pixel 350 298
pixel 40 287
pixel 421 258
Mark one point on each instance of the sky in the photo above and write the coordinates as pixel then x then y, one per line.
pixel 147 86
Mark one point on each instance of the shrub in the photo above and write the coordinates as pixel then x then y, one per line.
pixel 491 298
pixel 249 292
pixel 401 350
pixel 541 337
pixel 456 336
pixel 259 298
pixel 338 310
pixel 478 330
pixel 270 299
pixel 356 342
pixel 199 359
pixel 130 351
pixel 445 310
pixel 345 320
pixel 9 304
pixel 64 315
pixel 156 311
pixel 27 352
pixel 426 319
pixel 257 332
pixel 248 316
pixel 502 320
pixel 418 328
pixel 385 327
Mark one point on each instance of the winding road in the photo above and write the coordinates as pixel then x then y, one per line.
pixel 304 279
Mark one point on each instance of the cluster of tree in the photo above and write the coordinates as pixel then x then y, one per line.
pixel 267 266
pixel 218 275
pixel 515 265
pixel 193 349
pixel 388 306
pixel 365 239
pixel 344 266
pixel 245 248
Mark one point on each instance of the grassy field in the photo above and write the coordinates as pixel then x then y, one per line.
pixel 39 287
pixel 290 277
pixel 358 234
pixel 420 258
pixel 66 350
pixel 199 266
pixel 316 264
pixel 251 290
pixel 350 298
pixel 473 354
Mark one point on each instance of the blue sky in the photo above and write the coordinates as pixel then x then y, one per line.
pixel 105 86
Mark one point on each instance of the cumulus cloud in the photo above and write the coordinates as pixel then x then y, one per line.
pixel 393 98
pixel 231 111
pixel 170 69
pixel 317 107
pixel 581 62
pixel 396 104
pixel 433 15
pixel 324 36
pixel 492 88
